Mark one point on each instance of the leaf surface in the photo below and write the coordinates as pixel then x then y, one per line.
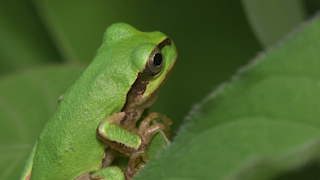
pixel 262 124
pixel 27 100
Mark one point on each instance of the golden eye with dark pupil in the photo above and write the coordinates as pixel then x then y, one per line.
pixel 155 63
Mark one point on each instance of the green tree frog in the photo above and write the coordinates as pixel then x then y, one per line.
pixel 98 114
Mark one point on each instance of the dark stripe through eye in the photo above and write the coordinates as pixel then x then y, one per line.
pixel 164 43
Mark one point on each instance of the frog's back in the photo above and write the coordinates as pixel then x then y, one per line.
pixel 68 143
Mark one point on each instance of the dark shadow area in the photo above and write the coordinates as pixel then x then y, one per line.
pixel 309 172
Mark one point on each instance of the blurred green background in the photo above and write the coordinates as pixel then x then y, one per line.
pixel 214 38
pixel 56 40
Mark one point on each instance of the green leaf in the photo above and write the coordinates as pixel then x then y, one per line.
pixel 24 39
pixel 27 100
pixel 272 20
pixel 77 27
pixel 262 124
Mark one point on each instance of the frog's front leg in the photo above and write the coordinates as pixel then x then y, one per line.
pixel 118 131
pixel 146 133
pixel 114 131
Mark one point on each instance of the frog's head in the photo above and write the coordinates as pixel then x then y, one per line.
pixel 151 57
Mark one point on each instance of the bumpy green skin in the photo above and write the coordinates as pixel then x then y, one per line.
pixel 68 145
pixel 112 173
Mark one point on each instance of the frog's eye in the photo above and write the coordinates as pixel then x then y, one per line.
pixel 155 63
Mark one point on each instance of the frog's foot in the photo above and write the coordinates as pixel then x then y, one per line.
pixel 153 117
pixel 131 169
pixel 146 132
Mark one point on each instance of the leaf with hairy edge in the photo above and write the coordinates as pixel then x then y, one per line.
pixel 261 125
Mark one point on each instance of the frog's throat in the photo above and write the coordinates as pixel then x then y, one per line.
pixel 137 100
pixel 138 108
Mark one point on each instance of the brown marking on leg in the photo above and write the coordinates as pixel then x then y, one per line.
pixel 129 119
pixel 120 147
pixel 84 176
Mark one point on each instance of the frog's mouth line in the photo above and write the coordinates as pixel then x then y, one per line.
pixel 168 73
